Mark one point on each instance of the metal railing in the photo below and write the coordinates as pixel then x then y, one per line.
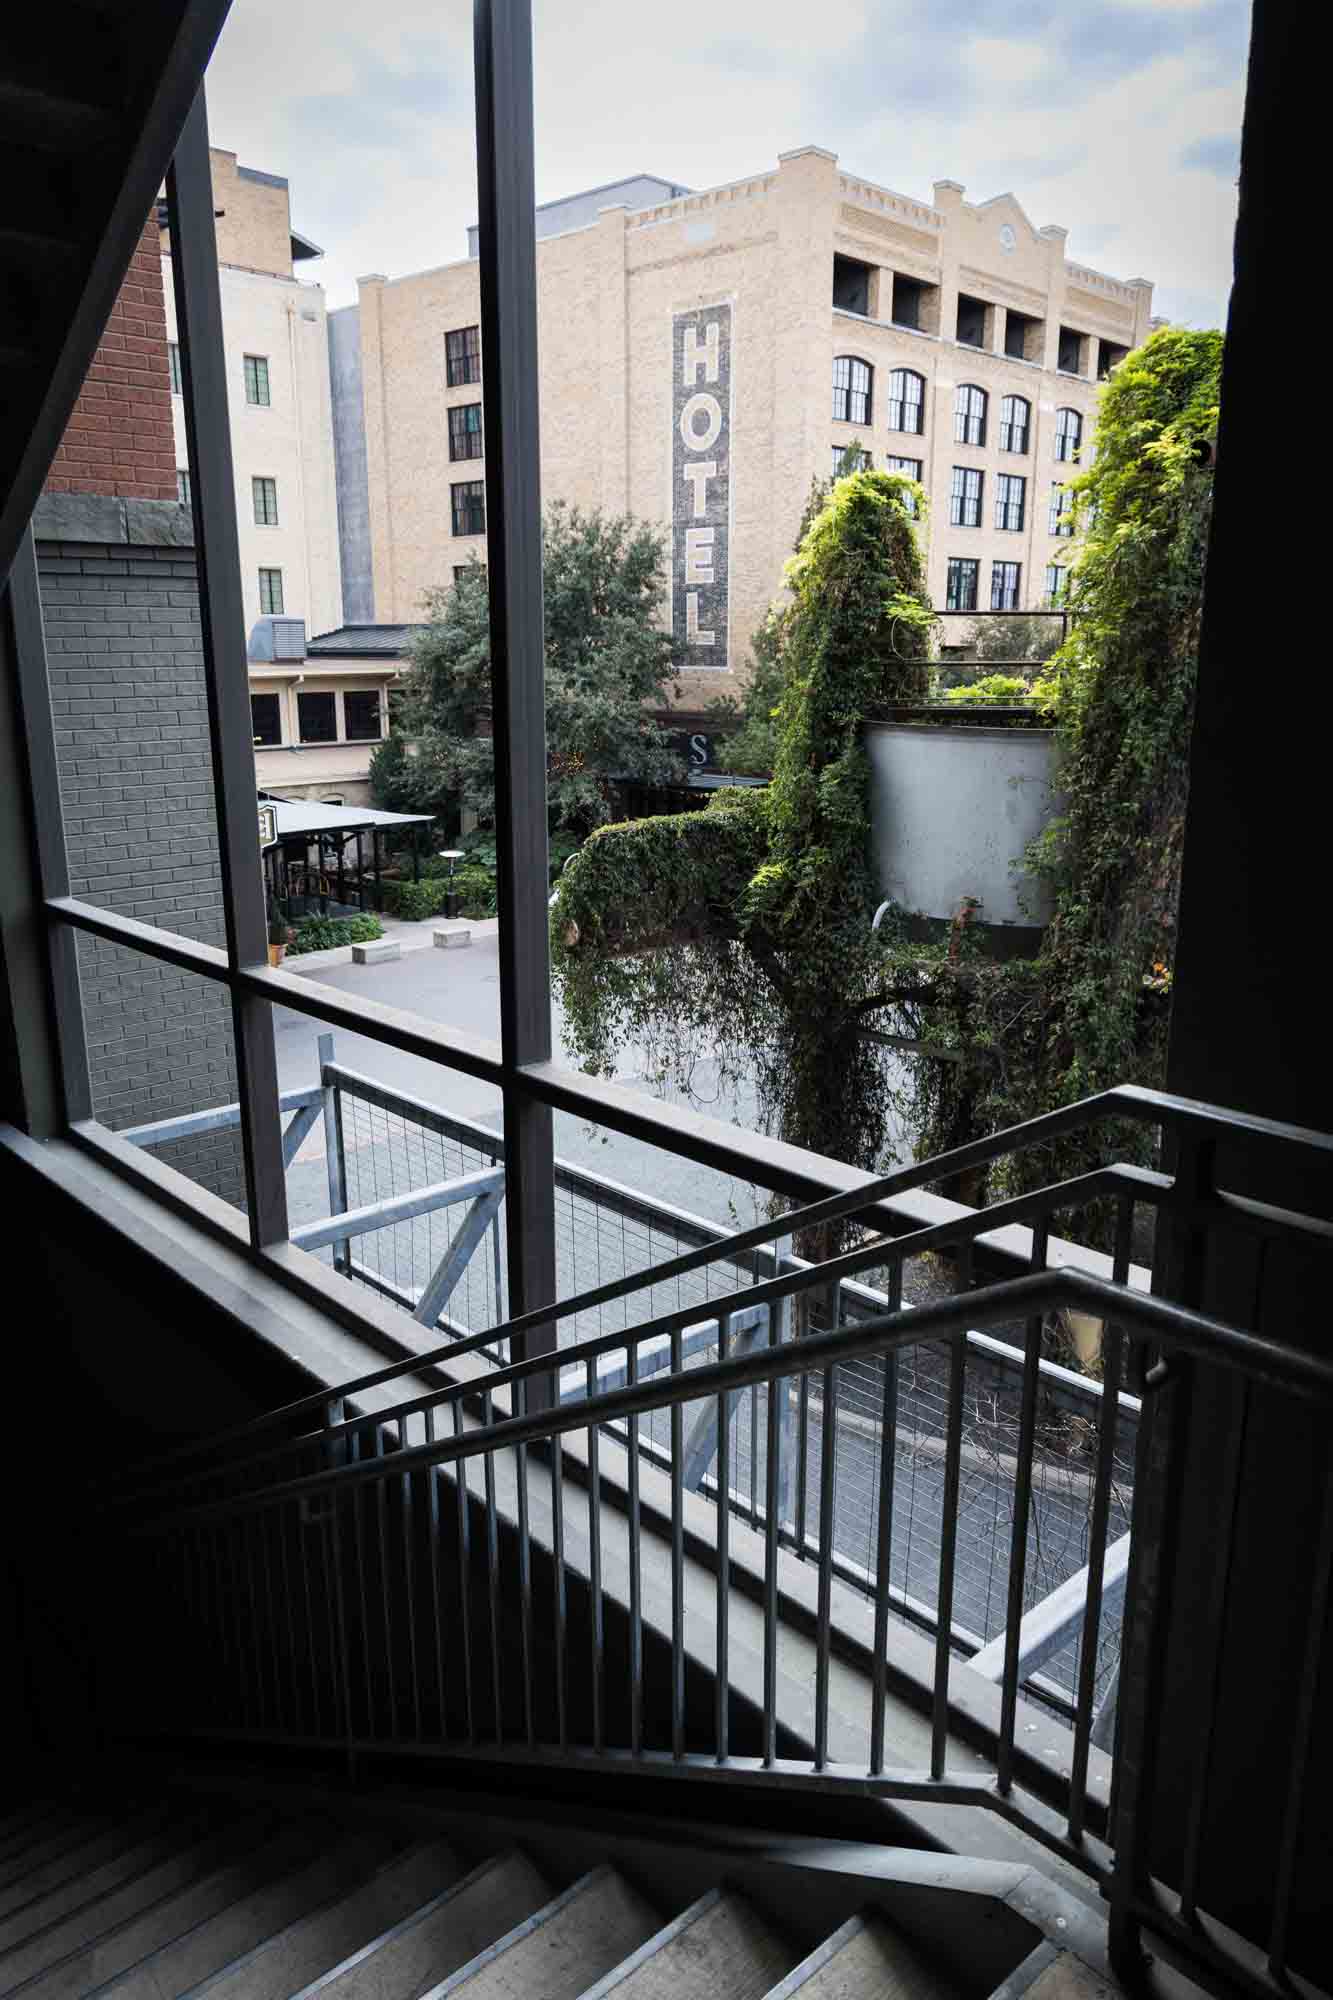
pixel 439 1573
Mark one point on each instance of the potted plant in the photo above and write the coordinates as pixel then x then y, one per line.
pixel 277 933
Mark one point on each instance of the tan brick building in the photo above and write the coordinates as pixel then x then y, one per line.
pixel 705 355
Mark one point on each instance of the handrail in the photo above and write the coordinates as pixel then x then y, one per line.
pixel 1294 1370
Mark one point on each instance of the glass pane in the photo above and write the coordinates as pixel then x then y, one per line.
pixel 317 717
pixel 361 714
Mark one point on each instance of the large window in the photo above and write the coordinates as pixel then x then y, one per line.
pixel 465 431
pixel 1005 578
pixel 317 715
pixel 910 468
pixel 851 457
pixel 965 497
pixel 851 390
pixel 266 719
pixel 264 493
pixel 256 380
pixel 961 594
pixel 270 592
pixel 1061 520
pixel 462 356
pixel 1069 353
pixel 467 502
pixel 1068 434
pixel 969 414
pixel 1057 581
pixel 1015 423
pixel 1010 502
pixel 907 401
pixel 362 721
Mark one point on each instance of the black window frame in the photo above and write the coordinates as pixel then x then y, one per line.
pixel 369 695
pixel 1060 520
pixel 304 695
pixel 263 742
pixel 901 402
pixel 462 356
pixel 263 486
pixel 1066 335
pixel 851 392
pixel 251 364
pixel 853 444
pixel 174 367
pixel 962 571
pixel 184 494
pixel 1010 423
pixel 982 307
pixel 469 435
pixel 966 418
pixel 1066 452
pixel 1002 597
pixel 267 571
pixel 907 468
pixel 1057 585
pixel 1010 507
pixel 467 501
pixel 966 496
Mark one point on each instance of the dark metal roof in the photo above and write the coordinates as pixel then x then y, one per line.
pixel 360 642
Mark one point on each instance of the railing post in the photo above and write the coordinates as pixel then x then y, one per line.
pixel 508 256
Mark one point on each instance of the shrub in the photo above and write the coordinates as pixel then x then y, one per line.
pixel 327 933
pixel 1005 688
pixel 414 901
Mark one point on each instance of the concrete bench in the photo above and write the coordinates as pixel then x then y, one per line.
pixel 377 949
pixel 452 937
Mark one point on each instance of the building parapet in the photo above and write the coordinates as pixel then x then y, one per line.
pixel 914 212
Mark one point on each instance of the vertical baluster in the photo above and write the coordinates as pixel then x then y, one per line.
pixel 560 1592
pixel 772 1490
pixel 953 1454
pixel 520 1405
pixel 433 1477
pixel 635 1567
pixel 286 1526
pixel 344 1657
pixel 1321 1582
pixel 722 1663
pixel 493 1571
pixel 244 1534
pixel 382 1525
pixel 597 1631
pixel 464 1573
pixel 1104 1473
pixel 1018 1540
pixel 828 1459
pixel 677 1560
pixel 410 1585
pixel 888 1459
pixel 359 1499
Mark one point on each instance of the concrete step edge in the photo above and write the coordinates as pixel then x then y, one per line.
pixel 801 1974
pixel 405 1924
pixel 155 1820
pixel 528 1928
pixel 655 1944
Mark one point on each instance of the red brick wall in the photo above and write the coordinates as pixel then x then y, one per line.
pixel 119 440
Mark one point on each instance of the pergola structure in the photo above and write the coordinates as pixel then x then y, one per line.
pixel 312 849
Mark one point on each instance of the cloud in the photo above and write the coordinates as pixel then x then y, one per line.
pixel 1111 117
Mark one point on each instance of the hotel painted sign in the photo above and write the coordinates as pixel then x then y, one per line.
pixel 701 487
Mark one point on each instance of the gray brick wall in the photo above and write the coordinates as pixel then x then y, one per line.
pixel 131 724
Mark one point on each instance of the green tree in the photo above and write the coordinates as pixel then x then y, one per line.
pixel 607 660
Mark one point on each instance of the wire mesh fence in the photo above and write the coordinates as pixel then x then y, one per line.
pixel 606 1231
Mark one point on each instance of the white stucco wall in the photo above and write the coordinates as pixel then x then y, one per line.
pixel 290 440
pixel 952 810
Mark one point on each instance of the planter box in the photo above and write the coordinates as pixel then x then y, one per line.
pixel 953 807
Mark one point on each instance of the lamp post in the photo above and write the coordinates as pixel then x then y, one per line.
pixel 451 855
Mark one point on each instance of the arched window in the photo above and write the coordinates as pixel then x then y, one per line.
pixel 851 390
pixel 907 401
pixel 969 414
pixel 1068 433
pixel 1015 423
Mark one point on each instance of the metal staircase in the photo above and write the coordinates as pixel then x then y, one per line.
pixel 247 1892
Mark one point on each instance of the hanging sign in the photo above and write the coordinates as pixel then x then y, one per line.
pixel 701 487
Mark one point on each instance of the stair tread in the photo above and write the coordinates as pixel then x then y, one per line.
pixel 719 1945
pixel 286 1897
pixel 408 1959
pixel 562 1948
pixel 82 1957
pixel 69 1832
pixel 865 1959
pixel 311 1947
pixel 75 1877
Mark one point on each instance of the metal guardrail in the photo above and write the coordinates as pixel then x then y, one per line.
pixel 310 1546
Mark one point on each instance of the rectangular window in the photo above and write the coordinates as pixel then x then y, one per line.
pixel 972 321
pixel 1069 358
pixel 1005 578
pixel 265 495
pixel 270 592
pixel 182 486
pixel 1010 502
pixel 256 381
pixel 1056 576
pixel 965 497
pixel 962 590
pixel 910 468
pixel 361 715
pixel 468 507
pixel 317 716
pixel 851 285
pixel 462 356
pixel 1061 520
pixel 850 458
pixel 174 363
pixel 465 439
pixel 266 719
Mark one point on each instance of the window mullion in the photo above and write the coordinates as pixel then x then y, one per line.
pixel 222 617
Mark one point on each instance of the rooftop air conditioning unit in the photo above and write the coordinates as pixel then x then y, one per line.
pixel 278 639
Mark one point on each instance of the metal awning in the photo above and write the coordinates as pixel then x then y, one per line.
pixel 297 817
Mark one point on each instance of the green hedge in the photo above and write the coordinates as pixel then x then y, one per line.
pixel 327 933
pixel 415 901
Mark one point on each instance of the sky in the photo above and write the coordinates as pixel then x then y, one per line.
pixel 1118 119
